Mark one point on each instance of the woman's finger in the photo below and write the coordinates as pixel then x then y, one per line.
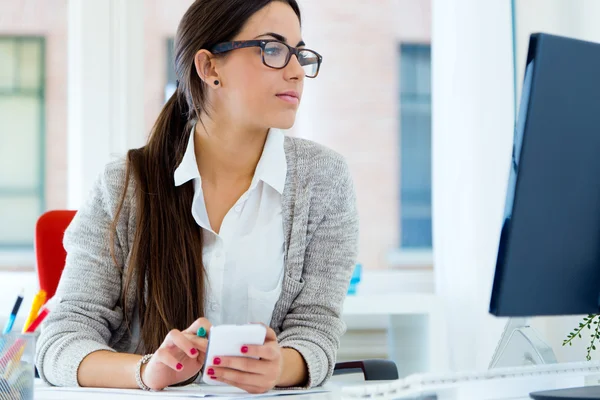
pixel 271 336
pixel 270 352
pixel 164 356
pixel 177 339
pixel 240 378
pixel 270 332
pixel 200 343
pixel 197 324
pixel 243 364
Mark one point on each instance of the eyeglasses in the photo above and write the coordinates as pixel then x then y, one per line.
pixel 277 55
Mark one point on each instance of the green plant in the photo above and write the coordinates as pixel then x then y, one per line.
pixel 588 321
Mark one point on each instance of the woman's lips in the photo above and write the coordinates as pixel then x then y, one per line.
pixel 289 98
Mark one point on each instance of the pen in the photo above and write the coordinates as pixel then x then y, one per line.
pixel 12 350
pixel 38 320
pixel 36 304
pixel 13 314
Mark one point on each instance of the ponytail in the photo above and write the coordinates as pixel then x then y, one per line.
pixel 165 264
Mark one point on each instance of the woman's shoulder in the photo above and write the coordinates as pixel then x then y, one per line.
pixel 114 174
pixel 113 180
pixel 115 171
pixel 315 161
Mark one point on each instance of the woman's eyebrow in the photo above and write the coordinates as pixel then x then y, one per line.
pixel 280 38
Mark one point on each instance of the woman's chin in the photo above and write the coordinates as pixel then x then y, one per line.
pixel 285 121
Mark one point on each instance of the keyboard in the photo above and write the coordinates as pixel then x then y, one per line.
pixel 427 383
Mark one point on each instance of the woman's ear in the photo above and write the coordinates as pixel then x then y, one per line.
pixel 206 67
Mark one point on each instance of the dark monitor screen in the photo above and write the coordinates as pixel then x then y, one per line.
pixel 548 259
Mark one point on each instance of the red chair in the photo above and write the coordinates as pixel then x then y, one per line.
pixel 49 251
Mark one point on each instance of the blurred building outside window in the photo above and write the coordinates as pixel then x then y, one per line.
pixel 415 247
pixel 415 146
pixel 171 77
pixel 22 143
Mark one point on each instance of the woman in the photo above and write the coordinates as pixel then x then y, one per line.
pixel 215 222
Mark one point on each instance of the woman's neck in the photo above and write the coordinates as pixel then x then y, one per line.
pixel 226 153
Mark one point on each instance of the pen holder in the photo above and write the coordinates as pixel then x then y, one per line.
pixel 17 371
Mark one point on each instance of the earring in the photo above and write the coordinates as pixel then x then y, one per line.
pixel 216 82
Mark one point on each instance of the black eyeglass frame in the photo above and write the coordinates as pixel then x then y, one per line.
pixel 241 44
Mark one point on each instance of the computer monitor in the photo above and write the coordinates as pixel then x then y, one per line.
pixel 548 259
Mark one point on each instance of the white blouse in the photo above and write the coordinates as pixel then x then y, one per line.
pixel 244 262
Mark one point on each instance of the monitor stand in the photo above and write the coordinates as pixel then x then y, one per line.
pixel 520 345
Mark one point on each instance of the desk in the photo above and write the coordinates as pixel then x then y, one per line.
pixel 509 389
pixel 100 396
pixel 506 386
pixel 57 394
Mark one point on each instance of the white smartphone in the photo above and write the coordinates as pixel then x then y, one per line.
pixel 227 340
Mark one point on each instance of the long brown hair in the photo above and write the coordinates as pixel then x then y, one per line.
pixel 165 262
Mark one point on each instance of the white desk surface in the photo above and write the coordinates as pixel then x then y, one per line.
pixel 84 393
pixel 102 396
pixel 516 389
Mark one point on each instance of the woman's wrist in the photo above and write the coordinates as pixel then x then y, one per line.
pixel 294 370
pixel 141 383
pixel 108 369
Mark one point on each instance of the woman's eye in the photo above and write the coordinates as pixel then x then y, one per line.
pixel 273 51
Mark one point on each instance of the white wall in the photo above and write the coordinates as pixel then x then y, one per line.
pixel 573 18
pixel 473 119
pixel 105 88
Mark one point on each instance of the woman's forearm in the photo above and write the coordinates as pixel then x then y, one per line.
pixel 117 370
pixel 294 372
pixel 109 370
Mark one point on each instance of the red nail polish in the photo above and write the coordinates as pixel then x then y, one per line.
pixel 210 371
pixel 217 361
pixel 244 349
pixel 179 366
pixel 213 377
pixel 194 352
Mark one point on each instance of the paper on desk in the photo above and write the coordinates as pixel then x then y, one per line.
pixel 193 391
pixel 196 390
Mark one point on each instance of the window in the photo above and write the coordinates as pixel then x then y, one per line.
pixel 21 140
pixel 415 147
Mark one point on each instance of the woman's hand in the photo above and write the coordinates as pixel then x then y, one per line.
pixel 253 376
pixel 180 357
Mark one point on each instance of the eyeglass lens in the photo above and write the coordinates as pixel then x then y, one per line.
pixel 276 54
